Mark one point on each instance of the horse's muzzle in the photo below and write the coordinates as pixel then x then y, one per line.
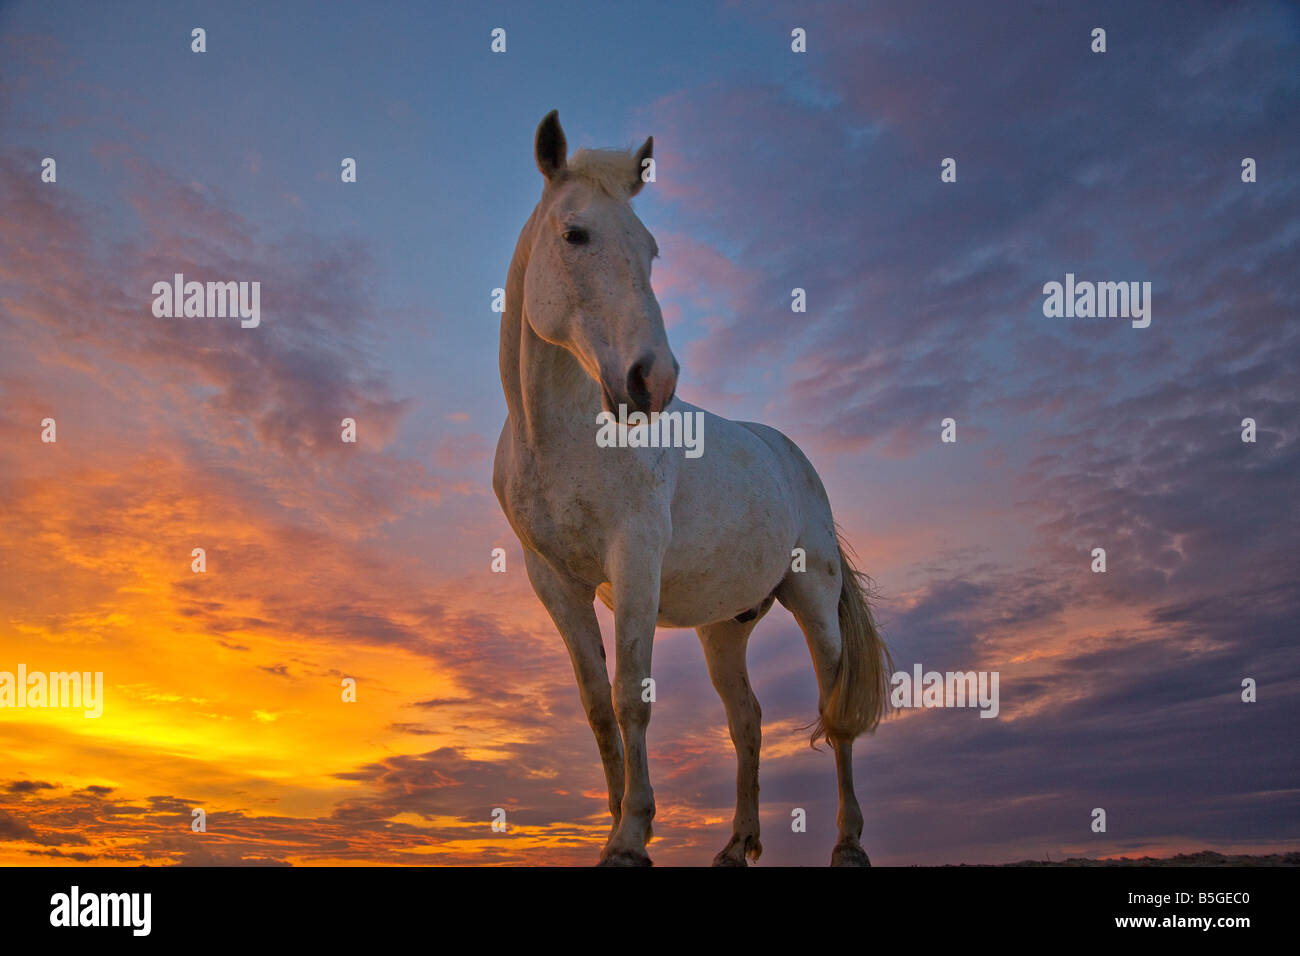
pixel 648 387
pixel 651 383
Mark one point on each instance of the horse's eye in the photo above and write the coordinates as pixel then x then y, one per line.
pixel 575 237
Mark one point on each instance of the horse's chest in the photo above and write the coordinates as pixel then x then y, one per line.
pixel 557 516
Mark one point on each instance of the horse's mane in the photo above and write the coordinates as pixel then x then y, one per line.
pixel 613 171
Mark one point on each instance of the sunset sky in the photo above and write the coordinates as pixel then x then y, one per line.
pixel 775 170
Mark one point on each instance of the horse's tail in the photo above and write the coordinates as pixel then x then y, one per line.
pixel 859 696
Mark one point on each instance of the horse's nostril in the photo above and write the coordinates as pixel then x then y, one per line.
pixel 638 387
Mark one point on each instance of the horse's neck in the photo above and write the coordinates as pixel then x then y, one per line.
pixel 547 391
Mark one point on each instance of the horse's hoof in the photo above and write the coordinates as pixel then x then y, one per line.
pixel 739 851
pixel 625 858
pixel 849 854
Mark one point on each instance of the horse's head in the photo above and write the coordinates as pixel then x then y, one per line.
pixel 587 288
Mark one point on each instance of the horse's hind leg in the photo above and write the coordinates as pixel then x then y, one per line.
pixel 813 597
pixel 570 607
pixel 724 649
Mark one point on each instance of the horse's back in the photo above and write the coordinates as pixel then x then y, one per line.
pixel 814 519
pixel 799 469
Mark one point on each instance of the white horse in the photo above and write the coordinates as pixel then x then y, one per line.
pixel 662 538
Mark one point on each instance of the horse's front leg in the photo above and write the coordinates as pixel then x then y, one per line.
pixel 635 585
pixel 570 605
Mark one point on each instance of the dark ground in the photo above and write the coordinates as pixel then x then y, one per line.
pixel 1204 858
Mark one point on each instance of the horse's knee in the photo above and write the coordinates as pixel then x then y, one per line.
pixel 631 710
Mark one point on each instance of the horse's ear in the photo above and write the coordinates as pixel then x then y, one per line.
pixel 550 146
pixel 645 152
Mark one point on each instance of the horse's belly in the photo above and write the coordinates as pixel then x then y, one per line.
pixel 694 594
pixel 715 570
pixel 693 607
pixel 734 523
